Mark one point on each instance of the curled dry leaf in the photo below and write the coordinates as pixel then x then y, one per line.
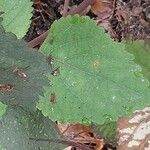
pixel 104 9
pixel 81 134
pixel 100 6
pixel 134 132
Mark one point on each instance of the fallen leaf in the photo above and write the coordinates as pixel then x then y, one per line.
pixel 81 134
pixel 134 132
pixel 100 6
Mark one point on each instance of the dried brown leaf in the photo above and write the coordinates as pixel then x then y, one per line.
pixel 100 6
pixel 81 134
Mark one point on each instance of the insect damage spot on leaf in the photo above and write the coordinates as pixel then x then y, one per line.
pixel 51 40
pixel 96 64
pixel 50 60
pixel 6 87
pixel 55 72
pixel 20 73
pixel 53 98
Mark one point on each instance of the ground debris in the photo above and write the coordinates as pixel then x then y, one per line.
pixel 81 134
pixel 132 19
pixel 134 132
pixel 44 14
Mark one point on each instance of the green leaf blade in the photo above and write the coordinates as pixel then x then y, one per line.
pixel 96 78
pixel 17 127
pixel 24 70
pixel 16 17
pixel 141 51
pixel 2 109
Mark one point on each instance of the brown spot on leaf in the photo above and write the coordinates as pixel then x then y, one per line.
pixel 53 98
pixel 6 87
pixel 20 73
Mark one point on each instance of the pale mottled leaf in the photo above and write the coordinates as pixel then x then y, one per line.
pixel 134 132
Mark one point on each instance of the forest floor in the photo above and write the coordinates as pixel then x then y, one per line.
pixel 121 19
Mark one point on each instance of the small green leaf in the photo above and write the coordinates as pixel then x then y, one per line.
pixel 16 17
pixel 94 78
pixel 1 148
pixel 22 73
pixel 17 127
pixel 107 131
pixel 2 109
pixel 141 51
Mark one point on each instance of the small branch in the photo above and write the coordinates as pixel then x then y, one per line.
pixel 33 43
pixel 66 5
pixel 80 8
pixel 69 143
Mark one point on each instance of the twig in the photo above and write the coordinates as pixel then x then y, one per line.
pixel 66 5
pixel 38 40
pixel 69 143
pixel 77 10
pixel 80 8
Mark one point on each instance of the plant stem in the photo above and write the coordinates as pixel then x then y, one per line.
pixel 38 40
pixel 80 8
pixel 69 143
pixel 66 5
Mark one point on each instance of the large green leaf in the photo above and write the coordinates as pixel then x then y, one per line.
pixel 141 52
pixel 22 72
pixel 17 127
pixel 16 17
pixel 94 78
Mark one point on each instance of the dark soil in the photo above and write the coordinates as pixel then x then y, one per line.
pixel 131 18
pixel 44 14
